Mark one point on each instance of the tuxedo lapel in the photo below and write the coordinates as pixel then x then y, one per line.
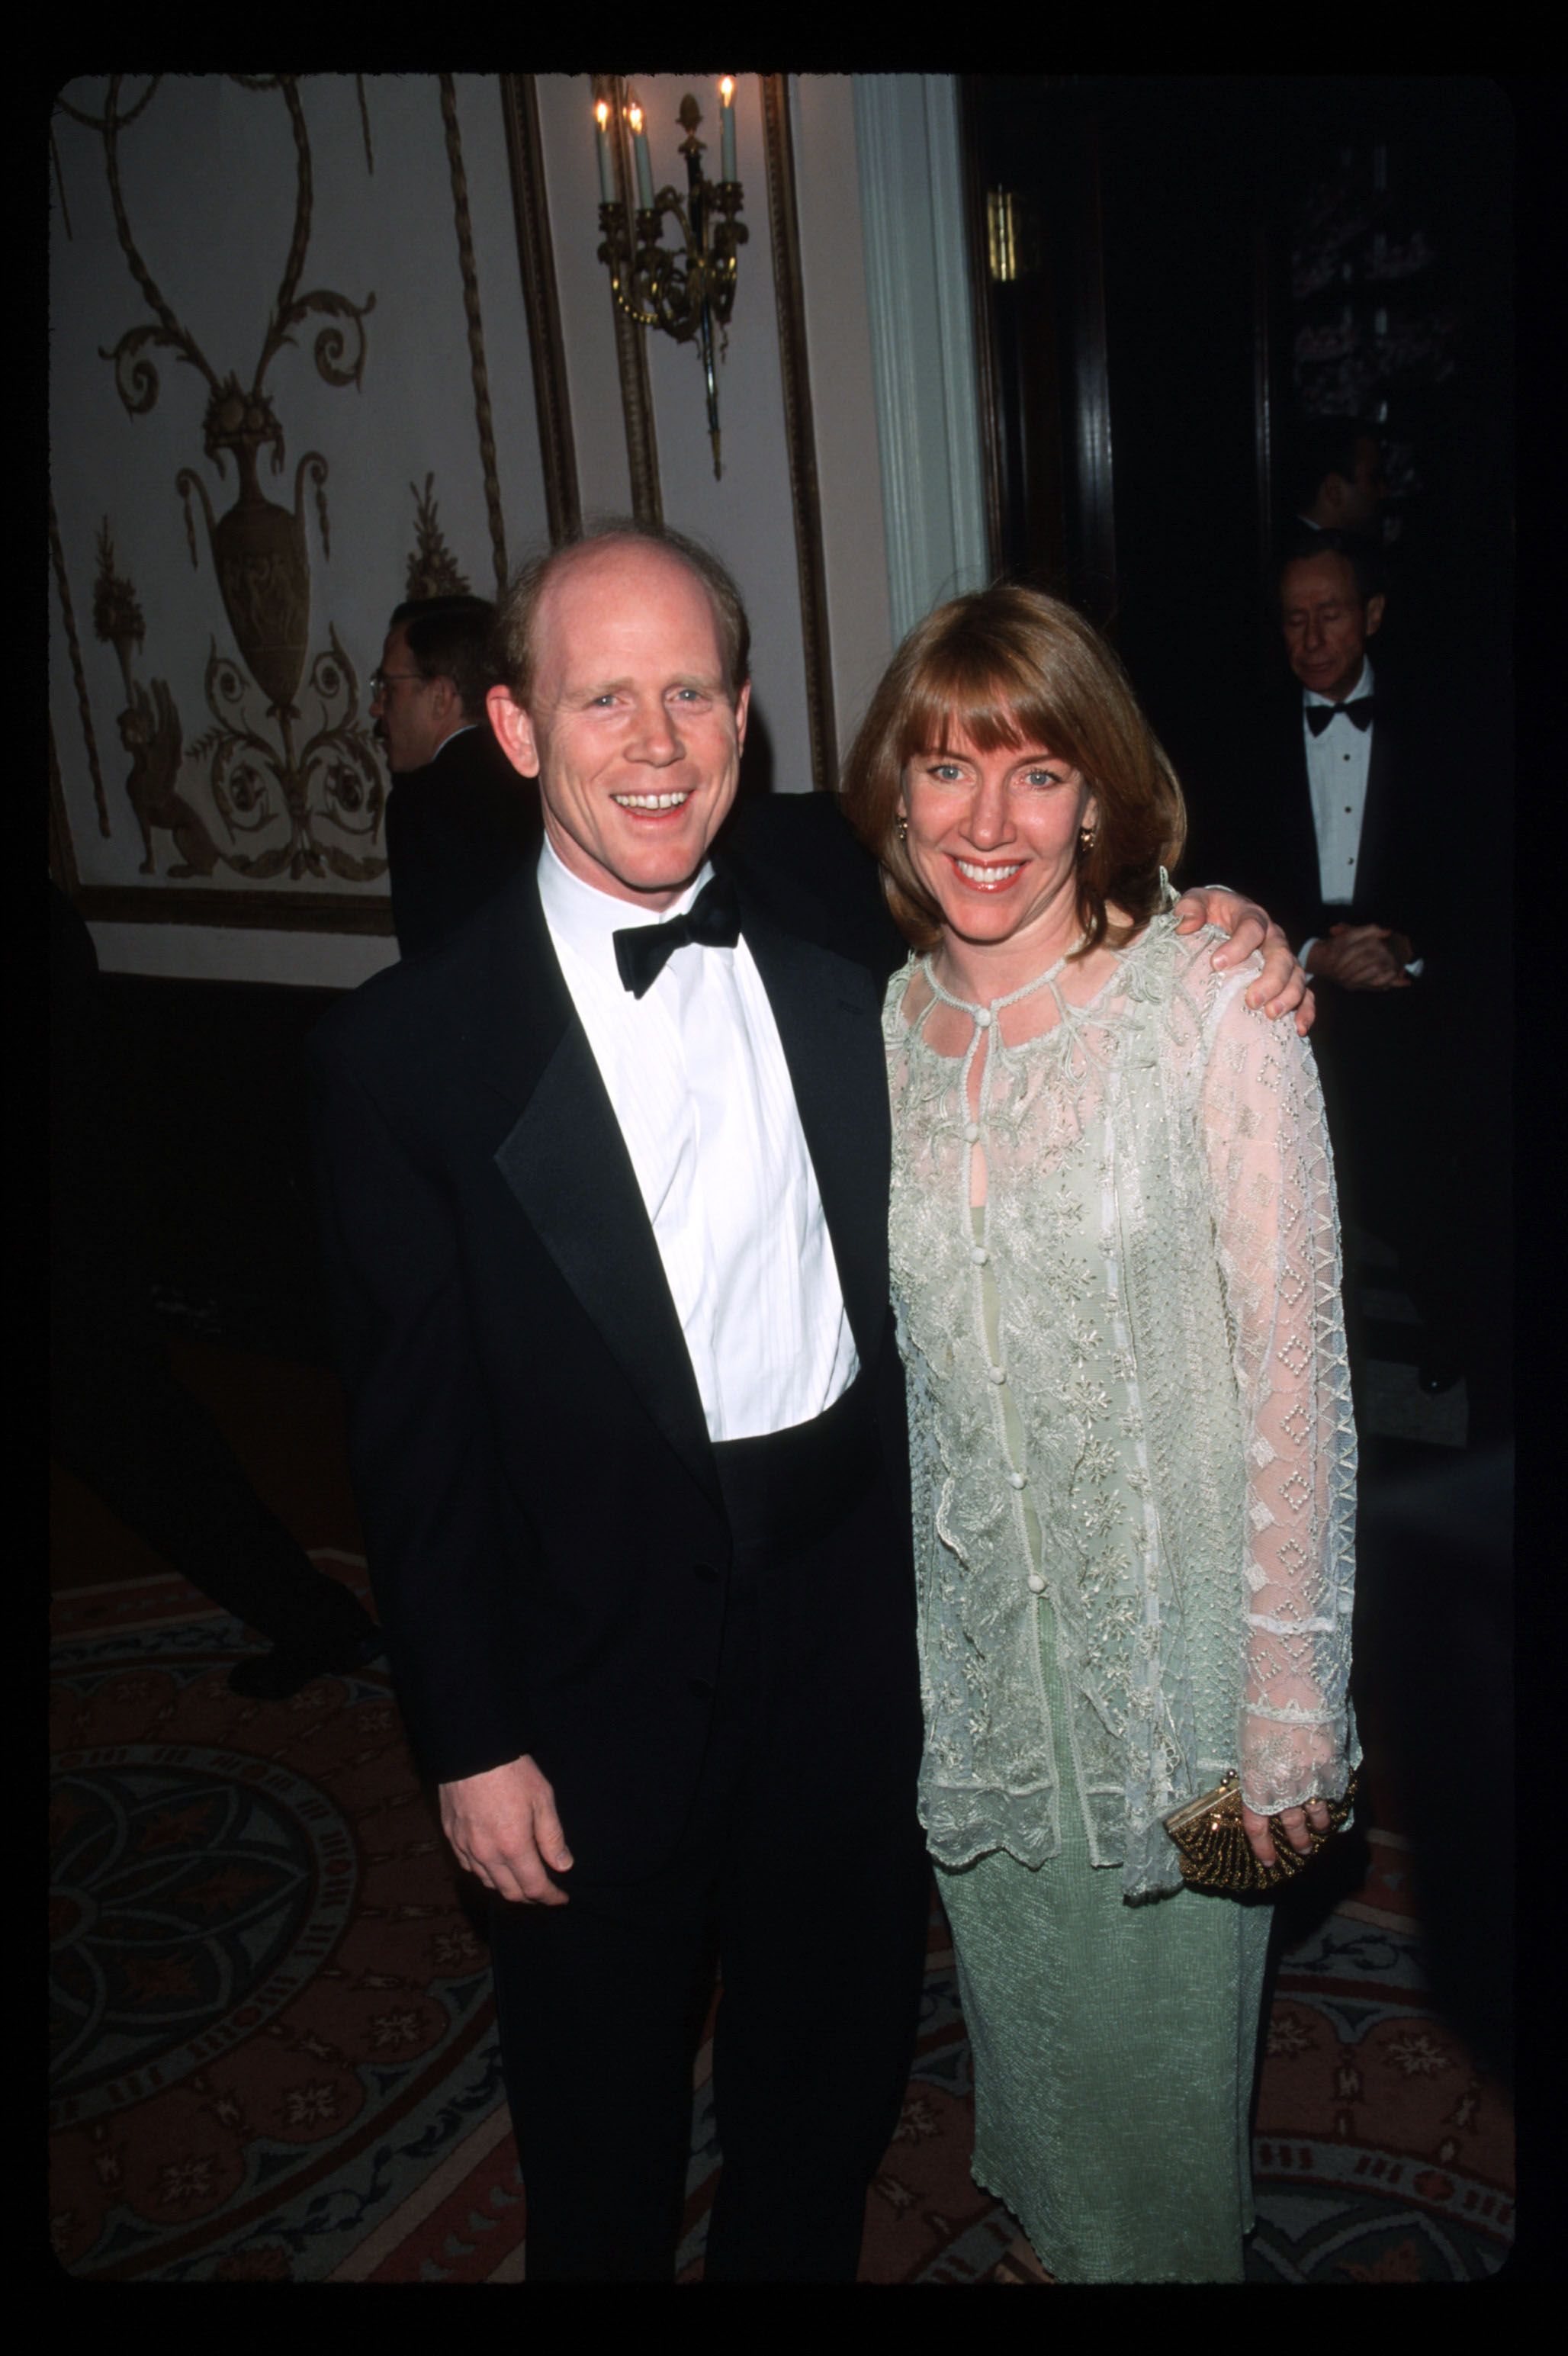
pixel 828 1011
pixel 1375 869
pixel 1301 839
pixel 566 1163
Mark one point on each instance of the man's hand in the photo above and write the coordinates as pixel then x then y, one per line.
pixel 1361 957
pixel 1282 987
pixel 503 1828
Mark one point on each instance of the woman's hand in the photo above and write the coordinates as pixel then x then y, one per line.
pixel 1282 987
pixel 1293 1822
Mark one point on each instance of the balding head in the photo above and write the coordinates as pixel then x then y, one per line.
pixel 516 619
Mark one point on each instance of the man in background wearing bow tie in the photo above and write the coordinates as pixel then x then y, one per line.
pixel 1329 608
pixel 1343 824
pixel 604 1179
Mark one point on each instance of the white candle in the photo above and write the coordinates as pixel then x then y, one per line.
pixel 727 94
pixel 640 150
pixel 606 166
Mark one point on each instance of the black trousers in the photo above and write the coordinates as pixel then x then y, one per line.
pixel 1396 1109
pixel 121 1421
pixel 800 1862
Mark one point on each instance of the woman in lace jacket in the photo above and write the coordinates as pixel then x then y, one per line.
pixel 1117 1273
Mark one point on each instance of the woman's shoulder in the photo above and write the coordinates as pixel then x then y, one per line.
pixel 1173 982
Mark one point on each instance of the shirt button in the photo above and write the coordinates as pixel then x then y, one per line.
pixel 998 1374
pixel 1018 1481
pixel 704 1572
pixel 983 1017
pixel 979 1255
pixel 972 1133
pixel 1036 1584
pixel 702 1689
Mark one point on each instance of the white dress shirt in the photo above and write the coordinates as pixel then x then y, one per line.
pixel 1338 763
pixel 695 1071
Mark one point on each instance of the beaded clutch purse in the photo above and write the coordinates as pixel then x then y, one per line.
pixel 1216 1853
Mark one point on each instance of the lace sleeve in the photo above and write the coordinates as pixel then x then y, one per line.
pixel 1266 1146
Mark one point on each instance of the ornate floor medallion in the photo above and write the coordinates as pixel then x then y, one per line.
pixel 195 1892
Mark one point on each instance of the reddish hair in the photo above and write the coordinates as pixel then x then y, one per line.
pixel 1008 666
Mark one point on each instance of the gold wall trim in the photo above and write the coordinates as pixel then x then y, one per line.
pixel 631 347
pixel 800 435
pixel 82 705
pixel 62 851
pixel 541 304
pixel 481 376
pixel 263 911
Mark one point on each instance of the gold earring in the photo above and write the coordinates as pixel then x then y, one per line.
pixel 903 829
pixel 1085 840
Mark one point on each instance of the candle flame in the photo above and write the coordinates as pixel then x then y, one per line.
pixel 727 88
pixel 634 115
pixel 601 112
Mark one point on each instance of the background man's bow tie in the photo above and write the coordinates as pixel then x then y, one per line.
pixel 712 921
pixel 1318 715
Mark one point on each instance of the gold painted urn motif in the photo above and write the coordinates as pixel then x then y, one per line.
pixel 259 552
pixel 277 781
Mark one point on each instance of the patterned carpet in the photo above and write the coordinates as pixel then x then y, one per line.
pixel 273 2047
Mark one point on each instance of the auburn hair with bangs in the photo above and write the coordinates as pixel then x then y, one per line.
pixel 1012 666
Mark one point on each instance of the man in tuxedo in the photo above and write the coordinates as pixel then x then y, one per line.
pixel 458 823
pixel 605 1180
pixel 1342 824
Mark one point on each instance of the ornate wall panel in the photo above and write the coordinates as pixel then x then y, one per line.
pixel 320 343
pixel 304 362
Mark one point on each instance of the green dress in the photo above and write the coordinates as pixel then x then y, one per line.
pixel 1133 1465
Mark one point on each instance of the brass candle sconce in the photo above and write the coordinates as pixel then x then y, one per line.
pixel 687 290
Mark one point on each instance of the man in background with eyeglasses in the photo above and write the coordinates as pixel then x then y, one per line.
pixel 459 821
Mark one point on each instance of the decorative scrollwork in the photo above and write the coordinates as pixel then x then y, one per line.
pixel 62 582
pixel 332 342
pixel 260 781
pixel 142 376
pixel 313 465
pixel 117 617
pixel 101 122
pixel 136 380
pixel 433 571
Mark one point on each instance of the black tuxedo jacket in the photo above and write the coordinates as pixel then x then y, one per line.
pixel 547 1539
pixel 457 831
pixel 1268 844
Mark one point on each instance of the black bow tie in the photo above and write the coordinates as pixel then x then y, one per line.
pixel 1360 712
pixel 712 921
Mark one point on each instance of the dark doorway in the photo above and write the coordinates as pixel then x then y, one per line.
pixel 1172 271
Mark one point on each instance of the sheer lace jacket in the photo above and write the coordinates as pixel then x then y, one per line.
pixel 1128 1397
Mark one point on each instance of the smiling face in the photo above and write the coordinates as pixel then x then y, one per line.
pixel 1326 625
pixel 993 836
pixel 631 726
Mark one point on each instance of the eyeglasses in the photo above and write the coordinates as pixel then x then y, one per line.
pixel 383 680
